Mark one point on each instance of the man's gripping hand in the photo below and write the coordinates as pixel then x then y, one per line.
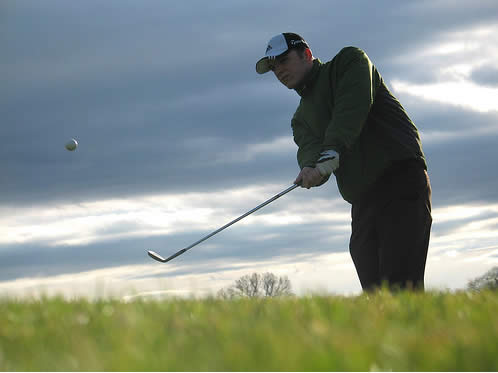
pixel 328 162
pixel 309 177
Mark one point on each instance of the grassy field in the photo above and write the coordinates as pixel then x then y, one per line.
pixel 400 332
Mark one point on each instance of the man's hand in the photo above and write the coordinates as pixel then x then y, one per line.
pixel 309 177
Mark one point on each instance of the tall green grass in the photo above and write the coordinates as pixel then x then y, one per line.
pixel 382 331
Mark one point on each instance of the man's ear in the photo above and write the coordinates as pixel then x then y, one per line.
pixel 308 54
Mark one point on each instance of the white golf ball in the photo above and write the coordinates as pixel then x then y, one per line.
pixel 71 145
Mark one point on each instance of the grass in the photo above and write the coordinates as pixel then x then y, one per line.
pixel 382 331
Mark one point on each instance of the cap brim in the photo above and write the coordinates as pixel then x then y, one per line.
pixel 263 66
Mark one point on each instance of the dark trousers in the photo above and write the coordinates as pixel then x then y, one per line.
pixel 391 227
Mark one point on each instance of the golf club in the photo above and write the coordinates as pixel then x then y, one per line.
pixel 159 258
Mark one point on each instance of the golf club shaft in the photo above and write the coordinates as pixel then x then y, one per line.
pixel 243 216
pixel 155 256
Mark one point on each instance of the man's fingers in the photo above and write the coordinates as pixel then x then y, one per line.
pixel 308 178
pixel 299 179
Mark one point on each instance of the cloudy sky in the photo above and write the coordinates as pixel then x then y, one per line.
pixel 178 135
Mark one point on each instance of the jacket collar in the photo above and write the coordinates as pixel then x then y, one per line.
pixel 310 79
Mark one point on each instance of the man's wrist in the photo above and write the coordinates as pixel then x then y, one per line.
pixel 328 162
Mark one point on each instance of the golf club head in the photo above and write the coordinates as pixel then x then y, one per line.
pixel 159 258
pixel 156 256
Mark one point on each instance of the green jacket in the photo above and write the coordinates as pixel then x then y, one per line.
pixel 345 106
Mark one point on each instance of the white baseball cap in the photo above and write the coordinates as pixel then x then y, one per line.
pixel 279 44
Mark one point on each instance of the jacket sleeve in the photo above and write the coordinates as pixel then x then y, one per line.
pixel 355 82
pixel 309 146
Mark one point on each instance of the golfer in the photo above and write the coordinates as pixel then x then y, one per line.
pixel 349 124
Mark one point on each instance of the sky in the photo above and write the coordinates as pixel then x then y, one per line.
pixel 178 135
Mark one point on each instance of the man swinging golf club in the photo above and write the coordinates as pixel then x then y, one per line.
pixel 349 124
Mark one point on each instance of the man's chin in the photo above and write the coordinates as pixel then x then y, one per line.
pixel 288 85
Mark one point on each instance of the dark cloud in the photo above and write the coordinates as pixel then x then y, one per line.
pixel 433 117
pixel 133 83
pixel 486 76
pixel 463 171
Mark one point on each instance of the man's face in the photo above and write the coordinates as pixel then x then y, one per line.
pixel 291 68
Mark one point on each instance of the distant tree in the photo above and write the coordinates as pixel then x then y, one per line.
pixel 249 286
pixel 257 285
pixel 228 293
pixel 274 286
pixel 487 281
